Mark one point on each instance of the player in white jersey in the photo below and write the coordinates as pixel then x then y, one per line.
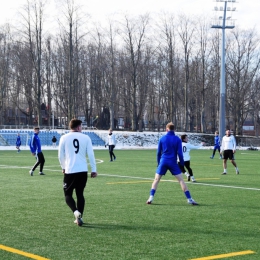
pixel 186 147
pixel 73 149
pixel 111 142
pixel 228 149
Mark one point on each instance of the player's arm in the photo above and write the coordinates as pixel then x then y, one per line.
pixel 159 152
pixel 92 159
pixel 234 144
pixel 194 147
pixel 61 155
pixel 32 148
pixel 180 153
pixel 222 147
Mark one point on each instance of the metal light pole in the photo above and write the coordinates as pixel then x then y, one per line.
pixel 227 23
pixel 52 120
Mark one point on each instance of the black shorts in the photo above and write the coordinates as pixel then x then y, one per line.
pixel 228 154
pixel 75 181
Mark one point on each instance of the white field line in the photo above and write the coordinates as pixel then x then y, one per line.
pixel 141 178
pixel 196 183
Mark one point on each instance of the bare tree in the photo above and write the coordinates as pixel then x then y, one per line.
pixel 186 30
pixel 5 48
pixel 243 61
pixel 33 15
pixel 134 36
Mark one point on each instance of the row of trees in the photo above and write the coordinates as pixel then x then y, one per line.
pixel 146 70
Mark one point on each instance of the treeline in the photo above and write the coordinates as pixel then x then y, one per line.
pixel 144 70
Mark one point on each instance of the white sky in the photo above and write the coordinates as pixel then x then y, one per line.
pixel 247 14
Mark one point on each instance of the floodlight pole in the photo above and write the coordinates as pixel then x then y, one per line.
pixel 52 120
pixel 222 105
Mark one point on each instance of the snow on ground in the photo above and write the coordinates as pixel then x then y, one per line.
pixel 134 140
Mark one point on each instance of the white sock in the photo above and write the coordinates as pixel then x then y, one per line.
pixel 150 198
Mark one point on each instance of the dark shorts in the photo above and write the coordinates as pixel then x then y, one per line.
pixel 228 154
pixel 75 181
pixel 165 165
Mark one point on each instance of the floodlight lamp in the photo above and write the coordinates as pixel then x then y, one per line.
pixel 234 9
pixel 216 8
pixel 220 18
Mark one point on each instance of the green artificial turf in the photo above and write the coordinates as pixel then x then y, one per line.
pixel 118 222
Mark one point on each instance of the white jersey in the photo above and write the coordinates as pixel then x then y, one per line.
pixel 73 149
pixel 186 147
pixel 228 143
pixel 111 139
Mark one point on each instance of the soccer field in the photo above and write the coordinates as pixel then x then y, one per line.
pixel 37 224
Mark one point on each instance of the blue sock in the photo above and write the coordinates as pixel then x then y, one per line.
pixel 152 192
pixel 187 194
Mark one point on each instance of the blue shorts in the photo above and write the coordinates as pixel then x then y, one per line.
pixel 216 147
pixel 165 165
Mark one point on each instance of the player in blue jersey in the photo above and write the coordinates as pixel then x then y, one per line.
pixel 169 147
pixel 36 150
pixel 18 143
pixel 216 146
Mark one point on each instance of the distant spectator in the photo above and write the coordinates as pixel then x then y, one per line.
pixel 111 142
pixel 54 140
pixel 18 143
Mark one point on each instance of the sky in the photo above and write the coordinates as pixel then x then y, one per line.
pixel 246 14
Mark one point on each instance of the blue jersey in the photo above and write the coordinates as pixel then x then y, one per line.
pixel 18 141
pixel 216 141
pixel 35 144
pixel 169 147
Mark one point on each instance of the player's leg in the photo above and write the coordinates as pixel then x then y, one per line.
pixel 113 152
pixel 213 154
pixel 187 165
pixel 220 156
pixel 42 161
pixel 225 166
pixel 35 165
pixel 153 188
pixel 155 183
pixel 185 189
pixel 80 184
pixel 235 165
pixel 68 187
pixel 182 168
pixel 110 152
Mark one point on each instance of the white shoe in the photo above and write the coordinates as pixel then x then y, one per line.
pixel 41 173
pixel 237 171
pixel 192 202
pixel 76 221
pixel 187 174
pixel 77 215
pixel 150 200
pixel 193 179
pixel 31 172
